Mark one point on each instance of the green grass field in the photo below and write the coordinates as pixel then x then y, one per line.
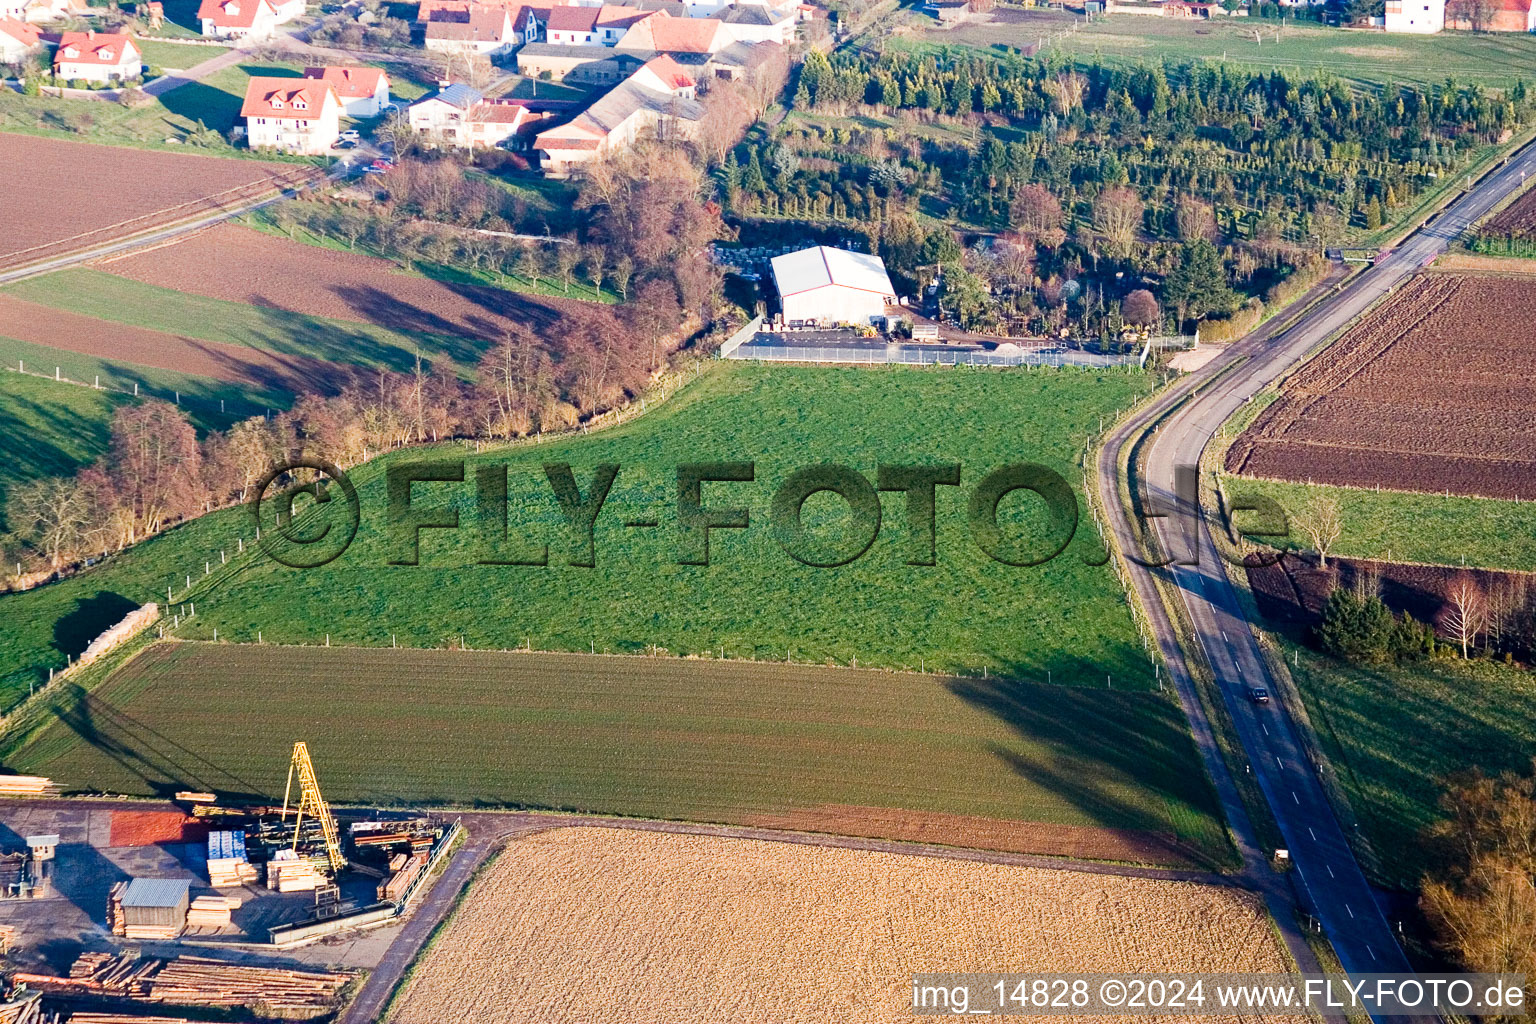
pixel 164 55
pixel 207 401
pixel 120 299
pixel 1402 527
pixel 214 101
pixel 50 429
pixel 1395 733
pixel 1062 622
pixel 1368 59
pixel 718 741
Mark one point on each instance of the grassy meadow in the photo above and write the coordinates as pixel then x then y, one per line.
pixel 1066 621
pixel 51 429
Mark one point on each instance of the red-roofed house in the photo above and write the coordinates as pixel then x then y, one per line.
pixel 364 92
pixel 38 11
pixel 485 30
pixel 292 115
pixel 593 26
pixel 527 19
pixel 17 39
pixel 246 19
pixel 97 57
pixel 676 35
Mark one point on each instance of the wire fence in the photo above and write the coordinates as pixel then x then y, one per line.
pixel 921 355
pixel 226 406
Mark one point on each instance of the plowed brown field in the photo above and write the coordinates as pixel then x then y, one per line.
pixel 61 196
pixel 1517 219
pixel 43 325
pixel 596 924
pixel 1431 392
pixel 243 265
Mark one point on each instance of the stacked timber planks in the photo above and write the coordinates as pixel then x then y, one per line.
pixel 115 919
pixel 27 785
pixel 211 911
pixel 405 868
pixel 288 872
pixel 227 864
pixel 90 1017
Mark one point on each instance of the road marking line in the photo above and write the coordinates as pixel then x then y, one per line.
pixel 1371 951
pixel 1295 797
pixel 1265 728
pixel 1330 870
pixel 1351 911
pixel 1311 833
pixel 1279 762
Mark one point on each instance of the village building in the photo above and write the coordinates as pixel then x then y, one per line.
pixel 487 30
pixel 364 92
pixel 577 65
pixel 246 19
pixel 462 118
pixel 17 40
pixel 658 98
pixel 291 115
pixel 676 36
pixel 100 57
pixel 592 26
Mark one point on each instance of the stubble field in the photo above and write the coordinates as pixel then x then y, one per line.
pixel 1430 393
pixel 62 196
pixel 613 925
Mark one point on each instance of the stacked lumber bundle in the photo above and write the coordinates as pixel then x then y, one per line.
pixel 201 981
pixel 89 1017
pixel 115 919
pixel 152 932
pixel 27 785
pixel 211 911
pixel 288 872
pixel 227 864
pixel 405 868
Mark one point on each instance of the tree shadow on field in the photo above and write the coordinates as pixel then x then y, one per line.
pixel 91 617
pixel 160 762
pixel 1094 748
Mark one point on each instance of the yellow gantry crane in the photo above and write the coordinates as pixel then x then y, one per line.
pixel 311 803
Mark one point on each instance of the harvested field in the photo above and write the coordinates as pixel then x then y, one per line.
pixel 150 828
pixel 1474 263
pixel 735 742
pixel 615 925
pixel 1432 392
pixel 42 325
pixel 1076 841
pixel 240 264
pixel 63 196
pixel 1517 220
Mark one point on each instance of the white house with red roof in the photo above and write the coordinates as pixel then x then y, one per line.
pixel 291 115
pixel 101 57
pixel 676 35
pixel 17 39
pixel 487 30
pixel 364 92
pixel 593 26
pixel 246 19
pixel 658 97
pixel 38 11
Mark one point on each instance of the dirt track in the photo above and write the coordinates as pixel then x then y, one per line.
pixel 240 264
pixel 42 325
pixel 61 195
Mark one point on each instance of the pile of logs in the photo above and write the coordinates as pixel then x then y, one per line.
pixel 198 981
pixel 27 785
pixel 211 911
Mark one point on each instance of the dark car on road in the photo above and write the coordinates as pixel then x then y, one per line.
pixel 1258 695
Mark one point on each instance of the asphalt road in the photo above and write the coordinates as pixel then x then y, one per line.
pixel 1329 875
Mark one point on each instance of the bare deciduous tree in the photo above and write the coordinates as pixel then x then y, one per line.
pixel 1465 612
pixel 1323 521
pixel 1117 216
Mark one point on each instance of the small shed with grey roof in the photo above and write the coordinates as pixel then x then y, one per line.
pixel 157 903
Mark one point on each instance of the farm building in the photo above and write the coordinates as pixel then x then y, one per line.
pixel 97 57
pixel 459 116
pixel 659 96
pixel 592 26
pixel 832 286
pixel 487 30
pixel 1495 16
pixel 291 115
pixel 154 908
pixel 588 65
pixel 364 92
